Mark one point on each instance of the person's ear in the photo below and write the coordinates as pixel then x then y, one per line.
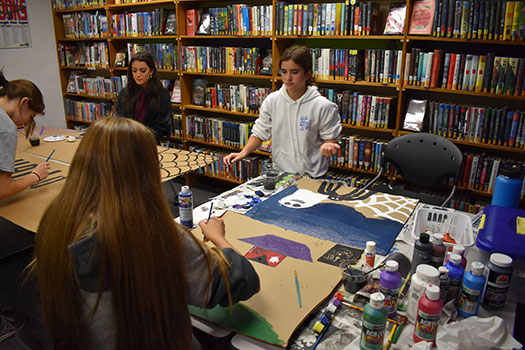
pixel 23 100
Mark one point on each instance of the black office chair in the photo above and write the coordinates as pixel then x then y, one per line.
pixel 423 160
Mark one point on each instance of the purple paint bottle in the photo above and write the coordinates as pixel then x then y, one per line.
pixel 389 283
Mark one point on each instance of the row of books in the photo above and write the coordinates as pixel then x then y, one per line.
pixel 467 72
pixel 87 111
pixel 358 109
pixel 359 153
pixel 157 22
pixel 478 19
pixel 217 130
pixel 375 65
pixel 73 4
pixel 479 171
pixel 493 126
pixel 243 170
pixel 238 19
pixel 228 60
pixel 353 180
pixel 91 54
pixel 342 18
pixel 237 98
pixel 95 86
pixel 164 54
pixel 468 204
pixel 79 25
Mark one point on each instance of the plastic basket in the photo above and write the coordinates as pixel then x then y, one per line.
pixel 457 225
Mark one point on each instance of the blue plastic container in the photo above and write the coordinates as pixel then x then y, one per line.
pixel 471 290
pixel 507 189
pixel 186 207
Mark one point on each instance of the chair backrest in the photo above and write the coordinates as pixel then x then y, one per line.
pixel 424 159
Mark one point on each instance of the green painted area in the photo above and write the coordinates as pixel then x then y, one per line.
pixel 241 319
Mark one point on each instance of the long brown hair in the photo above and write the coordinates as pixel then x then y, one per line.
pixel 20 88
pixel 302 57
pixel 114 185
pixel 132 89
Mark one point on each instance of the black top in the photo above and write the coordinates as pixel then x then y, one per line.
pixel 157 119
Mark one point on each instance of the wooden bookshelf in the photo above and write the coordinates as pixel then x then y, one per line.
pixel 277 43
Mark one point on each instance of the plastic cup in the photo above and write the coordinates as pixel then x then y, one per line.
pixel 270 179
pixel 353 278
pixel 34 140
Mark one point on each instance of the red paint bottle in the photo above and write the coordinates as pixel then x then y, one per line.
pixel 428 314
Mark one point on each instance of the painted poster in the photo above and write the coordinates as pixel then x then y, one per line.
pixel 336 213
pixel 14 24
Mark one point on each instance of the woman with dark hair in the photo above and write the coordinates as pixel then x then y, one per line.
pixel 115 271
pixel 303 125
pixel 144 98
pixel 20 102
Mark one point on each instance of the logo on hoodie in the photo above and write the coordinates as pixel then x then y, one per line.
pixel 303 123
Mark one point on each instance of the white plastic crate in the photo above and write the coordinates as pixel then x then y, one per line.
pixel 442 220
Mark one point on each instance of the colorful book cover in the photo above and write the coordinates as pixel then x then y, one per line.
pixel 422 17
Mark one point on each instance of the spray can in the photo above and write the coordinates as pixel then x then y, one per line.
pixel 444 283
pixel 507 187
pixel 422 252
pixel 370 253
pixel 428 314
pixel 455 273
pixel 471 290
pixel 389 283
pixel 186 206
pixel 374 323
pixel 438 250
pixel 425 274
pixel 498 274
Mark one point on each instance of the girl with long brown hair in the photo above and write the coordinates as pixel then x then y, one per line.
pixel 20 102
pixel 114 270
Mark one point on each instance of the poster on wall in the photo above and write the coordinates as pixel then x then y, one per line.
pixel 14 24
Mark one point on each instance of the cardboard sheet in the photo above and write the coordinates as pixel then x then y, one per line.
pixel 64 150
pixel 273 314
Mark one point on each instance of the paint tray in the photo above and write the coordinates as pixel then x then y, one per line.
pixel 457 225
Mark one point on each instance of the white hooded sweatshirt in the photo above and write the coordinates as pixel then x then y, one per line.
pixel 298 129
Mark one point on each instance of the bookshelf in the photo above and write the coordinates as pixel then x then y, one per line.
pixel 389 93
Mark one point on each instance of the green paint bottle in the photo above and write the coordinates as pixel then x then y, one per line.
pixel 374 323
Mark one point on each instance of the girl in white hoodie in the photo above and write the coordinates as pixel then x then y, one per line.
pixel 303 125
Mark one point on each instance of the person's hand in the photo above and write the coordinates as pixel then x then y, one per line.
pixel 214 230
pixel 232 158
pixel 329 149
pixel 42 170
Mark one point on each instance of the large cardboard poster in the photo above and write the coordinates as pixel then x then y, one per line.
pixel 274 313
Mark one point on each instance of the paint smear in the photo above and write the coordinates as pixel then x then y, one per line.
pixel 241 319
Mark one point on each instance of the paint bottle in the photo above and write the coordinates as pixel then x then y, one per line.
pixel 458 249
pixel 498 274
pixel 389 283
pixel 428 315
pixel 455 273
pixel 422 251
pixel 186 207
pixel 444 283
pixel 425 275
pixel 370 253
pixel 374 323
pixel 507 187
pixel 471 290
pixel 438 250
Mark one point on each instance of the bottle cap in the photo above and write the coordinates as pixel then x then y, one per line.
pixel 477 268
pixel 432 292
pixel 455 259
pixel 377 301
pixel 185 189
pixel 392 265
pixel 427 272
pixel 458 249
pixel 501 260
pixel 371 246
pixel 424 237
pixel 443 271
pixel 511 170
pixel 437 238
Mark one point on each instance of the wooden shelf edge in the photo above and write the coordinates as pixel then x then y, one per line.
pixel 72 94
pixel 218 110
pixel 357 127
pixel 463 92
pixel 243 76
pixel 466 41
pixel 235 181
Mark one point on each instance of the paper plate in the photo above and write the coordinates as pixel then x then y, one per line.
pixel 54 138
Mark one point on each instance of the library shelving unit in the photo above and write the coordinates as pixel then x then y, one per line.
pixel 376 97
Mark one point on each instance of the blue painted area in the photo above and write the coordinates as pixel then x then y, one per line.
pixel 328 221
